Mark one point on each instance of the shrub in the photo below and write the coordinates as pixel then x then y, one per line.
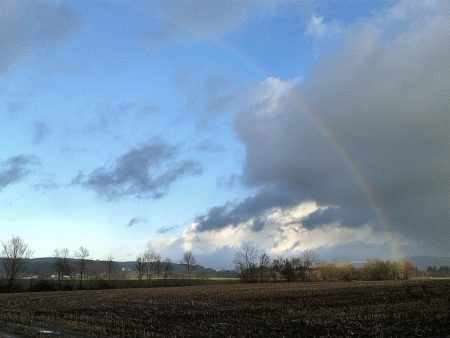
pixel 43 285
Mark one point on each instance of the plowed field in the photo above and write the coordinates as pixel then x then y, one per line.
pixel 408 308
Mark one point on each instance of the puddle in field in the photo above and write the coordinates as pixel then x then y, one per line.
pixel 36 329
pixel 46 331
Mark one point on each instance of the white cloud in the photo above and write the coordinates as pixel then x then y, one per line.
pixel 323 32
pixel 316 27
pixel 283 234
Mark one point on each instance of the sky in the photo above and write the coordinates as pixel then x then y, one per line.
pixel 207 125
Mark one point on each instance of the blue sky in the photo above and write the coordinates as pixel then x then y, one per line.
pixel 204 125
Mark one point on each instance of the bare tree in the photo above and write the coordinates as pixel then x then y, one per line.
pixel 147 259
pixel 157 265
pixel 310 260
pixel 245 263
pixel 62 265
pixel 140 266
pixel 189 261
pixel 264 264
pixel 167 267
pixel 298 267
pixel 82 254
pixel 110 266
pixel 14 253
pixel 276 268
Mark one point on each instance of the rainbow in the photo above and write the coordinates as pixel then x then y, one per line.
pixel 331 137
pixel 357 174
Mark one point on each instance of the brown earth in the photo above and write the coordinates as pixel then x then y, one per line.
pixel 395 308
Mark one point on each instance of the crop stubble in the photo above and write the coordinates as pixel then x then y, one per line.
pixel 297 309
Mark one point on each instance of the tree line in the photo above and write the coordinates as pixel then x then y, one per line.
pixel 251 266
pixel 441 271
pixel 254 268
pixel 15 252
pixel 148 265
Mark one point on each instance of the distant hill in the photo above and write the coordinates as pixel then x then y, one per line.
pixel 45 267
pixel 422 262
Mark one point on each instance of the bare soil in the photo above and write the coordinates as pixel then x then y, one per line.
pixel 395 308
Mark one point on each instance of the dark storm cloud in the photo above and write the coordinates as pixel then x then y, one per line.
pixel 16 168
pixel 136 220
pixel 26 25
pixel 252 208
pixel 367 131
pixel 352 216
pixel 143 172
pixel 321 217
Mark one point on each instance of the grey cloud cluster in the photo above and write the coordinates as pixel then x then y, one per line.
pixel 146 171
pixel 25 25
pixel 368 130
pixel 16 168
pixel 252 208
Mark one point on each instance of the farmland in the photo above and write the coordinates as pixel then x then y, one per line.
pixel 401 308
